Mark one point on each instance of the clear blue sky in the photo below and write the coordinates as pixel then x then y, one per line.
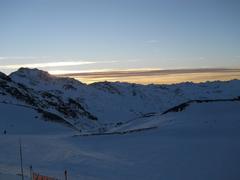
pixel 122 34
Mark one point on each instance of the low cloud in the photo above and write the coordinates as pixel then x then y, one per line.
pixel 54 64
pixel 148 76
pixel 48 64
pixel 148 72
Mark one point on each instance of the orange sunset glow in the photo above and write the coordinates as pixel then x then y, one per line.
pixel 157 76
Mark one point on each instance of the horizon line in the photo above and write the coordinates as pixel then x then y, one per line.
pixel 154 76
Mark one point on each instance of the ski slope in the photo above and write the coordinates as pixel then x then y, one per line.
pixel 201 142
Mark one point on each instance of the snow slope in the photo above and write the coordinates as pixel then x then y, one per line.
pixel 23 120
pixel 229 119
pixel 201 142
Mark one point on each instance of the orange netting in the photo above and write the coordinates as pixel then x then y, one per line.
pixel 37 176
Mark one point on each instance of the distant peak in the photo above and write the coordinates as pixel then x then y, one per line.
pixel 34 73
pixel 36 76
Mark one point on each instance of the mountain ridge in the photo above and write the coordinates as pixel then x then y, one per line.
pixel 103 105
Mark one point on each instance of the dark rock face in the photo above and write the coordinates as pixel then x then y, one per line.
pixel 183 106
pixel 4 77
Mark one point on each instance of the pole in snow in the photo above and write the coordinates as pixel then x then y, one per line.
pixel 65 173
pixel 31 172
pixel 20 149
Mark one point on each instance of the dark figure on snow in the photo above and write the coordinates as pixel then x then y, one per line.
pixel 4 132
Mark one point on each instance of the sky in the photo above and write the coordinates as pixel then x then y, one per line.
pixel 79 36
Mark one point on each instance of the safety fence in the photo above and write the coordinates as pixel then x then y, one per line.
pixel 38 176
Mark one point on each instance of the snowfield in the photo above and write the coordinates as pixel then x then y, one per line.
pixel 108 131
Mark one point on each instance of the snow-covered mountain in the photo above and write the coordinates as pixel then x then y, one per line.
pixel 102 106
pixel 181 131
